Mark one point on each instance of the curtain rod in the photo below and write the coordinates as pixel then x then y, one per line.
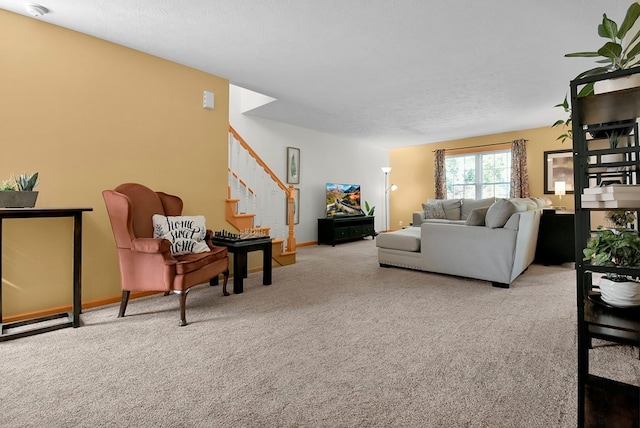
pixel 481 145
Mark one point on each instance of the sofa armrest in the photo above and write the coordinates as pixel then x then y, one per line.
pixel 528 226
pixel 475 241
pixel 418 218
pixel 471 251
pixel 514 222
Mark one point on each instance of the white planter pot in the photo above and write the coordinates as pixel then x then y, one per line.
pixel 614 157
pixel 617 84
pixel 620 294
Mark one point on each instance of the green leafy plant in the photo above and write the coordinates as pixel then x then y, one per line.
pixel 23 183
pixel 614 139
pixel 616 247
pixel 568 134
pixel 368 209
pixel 27 182
pixel 6 186
pixel 621 49
pixel 619 52
pixel 620 218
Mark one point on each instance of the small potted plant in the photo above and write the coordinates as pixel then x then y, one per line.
pixel 369 210
pixel 17 192
pixel 618 248
pixel 619 52
pixel 620 218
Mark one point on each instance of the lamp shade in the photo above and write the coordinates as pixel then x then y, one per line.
pixel 386 169
pixel 560 188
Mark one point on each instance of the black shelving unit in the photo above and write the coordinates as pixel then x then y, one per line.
pixel 602 401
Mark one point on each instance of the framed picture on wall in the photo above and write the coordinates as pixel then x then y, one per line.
pixel 293 165
pixel 296 208
pixel 558 166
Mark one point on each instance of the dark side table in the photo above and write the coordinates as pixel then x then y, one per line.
pixel 240 249
pixel 556 238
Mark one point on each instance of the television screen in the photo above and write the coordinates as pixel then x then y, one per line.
pixel 343 199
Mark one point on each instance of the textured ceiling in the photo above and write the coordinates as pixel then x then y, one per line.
pixel 394 72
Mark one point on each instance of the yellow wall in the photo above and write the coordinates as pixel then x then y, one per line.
pixel 412 169
pixel 89 115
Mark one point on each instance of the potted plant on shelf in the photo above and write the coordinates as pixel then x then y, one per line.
pixel 618 248
pixel 17 192
pixel 619 52
pixel 620 218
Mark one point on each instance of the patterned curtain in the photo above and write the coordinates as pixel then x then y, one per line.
pixel 519 173
pixel 439 175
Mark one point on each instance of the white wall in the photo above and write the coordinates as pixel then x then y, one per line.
pixel 324 159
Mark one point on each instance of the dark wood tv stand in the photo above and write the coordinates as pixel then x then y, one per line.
pixel 332 230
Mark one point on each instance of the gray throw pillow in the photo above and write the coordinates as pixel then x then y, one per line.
pixel 498 213
pixel 451 207
pixel 434 210
pixel 476 217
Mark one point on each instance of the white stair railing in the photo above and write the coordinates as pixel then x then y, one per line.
pixel 259 191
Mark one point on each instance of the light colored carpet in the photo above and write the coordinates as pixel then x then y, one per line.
pixel 336 341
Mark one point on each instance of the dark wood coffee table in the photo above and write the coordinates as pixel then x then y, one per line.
pixel 240 249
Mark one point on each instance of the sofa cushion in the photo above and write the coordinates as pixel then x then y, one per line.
pixel 194 261
pixel 433 210
pixel 451 207
pixel 541 202
pixel 404 240
pixel 498 213
pixel 469 205
pixel 443 221
pixel 476 217
pixel 524 204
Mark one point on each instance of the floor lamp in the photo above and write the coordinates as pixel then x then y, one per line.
pixel 393 187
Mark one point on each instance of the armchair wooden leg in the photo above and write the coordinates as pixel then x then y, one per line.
pixel 226 279
pixel 123 302
pixel 183 303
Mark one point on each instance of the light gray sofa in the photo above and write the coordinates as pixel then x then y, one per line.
pixel 497 251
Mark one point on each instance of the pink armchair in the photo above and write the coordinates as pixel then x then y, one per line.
pixel 146 263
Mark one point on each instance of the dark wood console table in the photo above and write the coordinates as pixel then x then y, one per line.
pixel 332 230
pixel 240 250
pixel 73 318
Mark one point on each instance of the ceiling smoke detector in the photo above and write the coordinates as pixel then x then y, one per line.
pixel 35 9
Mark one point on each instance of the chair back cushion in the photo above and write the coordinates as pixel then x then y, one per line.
pixel 144 203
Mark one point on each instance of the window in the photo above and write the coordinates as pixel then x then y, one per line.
pixel 478 175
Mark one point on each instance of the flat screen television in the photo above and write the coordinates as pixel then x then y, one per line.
pixel 343 199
